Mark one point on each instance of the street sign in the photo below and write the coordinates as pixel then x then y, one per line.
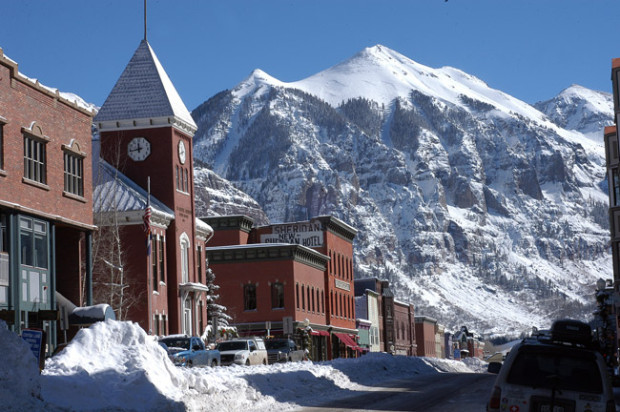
pixel 287 325
pixel 35 338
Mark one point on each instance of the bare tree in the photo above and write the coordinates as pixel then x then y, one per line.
pixel 112 281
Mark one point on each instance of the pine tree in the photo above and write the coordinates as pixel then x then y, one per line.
pixel 215 310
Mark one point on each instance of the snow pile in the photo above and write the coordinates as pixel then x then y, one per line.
pixel 286 386
pixel 113 365
pixel 116 366
pixel 20 382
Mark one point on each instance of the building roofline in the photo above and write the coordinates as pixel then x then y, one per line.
pixel 230 222
pixel 266 251
pixel 34 84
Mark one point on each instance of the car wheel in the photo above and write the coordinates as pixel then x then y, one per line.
pixel 214 363
pixel 190 364
pixel 247 362
pixel 265 362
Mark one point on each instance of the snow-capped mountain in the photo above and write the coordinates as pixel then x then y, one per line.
pixel 481 209
pixel 577 108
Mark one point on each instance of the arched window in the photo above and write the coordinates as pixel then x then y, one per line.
pixel 303 298
pixel 277 295
pixel 185 248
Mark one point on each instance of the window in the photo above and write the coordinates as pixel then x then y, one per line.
pixel 184 258
pixel 249 296
pixel 176 174
pixel 277 295
pixel 616 187
pixel 160 259
pixel 1 143
pixel 313 307
pixel 33 242
pixel 199 263
pixel 303 298
pixel 308 292
pixel 318 301
pixel 154 262
pixel 297 294
pixel 74 173
pixel 186 181
pixel 34 159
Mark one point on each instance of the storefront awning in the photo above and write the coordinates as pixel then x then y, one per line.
pixel 319 333
pixel 346 339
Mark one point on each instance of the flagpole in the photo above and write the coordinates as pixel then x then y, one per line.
pixel 149 245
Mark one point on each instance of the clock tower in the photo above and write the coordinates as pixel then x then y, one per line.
pixel 146 133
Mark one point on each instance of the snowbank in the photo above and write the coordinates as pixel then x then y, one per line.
pixel 20 383
pixel 113 365
pixel 117 366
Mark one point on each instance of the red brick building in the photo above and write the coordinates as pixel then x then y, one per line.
pixel 404 329
pixel 145 138
pixel 425 333
pixel 46 219
pixel 319 289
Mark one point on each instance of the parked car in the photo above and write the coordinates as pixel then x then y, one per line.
pixel 283 350
pixel 243 351
pixel 189 351
pixel 559 370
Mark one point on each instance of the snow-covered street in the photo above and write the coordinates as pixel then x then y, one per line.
pixel 117 366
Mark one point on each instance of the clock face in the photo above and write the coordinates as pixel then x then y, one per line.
pixel 139 149
pixel 182 152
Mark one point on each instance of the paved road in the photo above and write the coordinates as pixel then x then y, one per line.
pixel 442 392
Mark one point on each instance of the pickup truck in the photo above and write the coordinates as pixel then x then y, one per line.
pixel 243 351
pixel 283 350
pixel 190 351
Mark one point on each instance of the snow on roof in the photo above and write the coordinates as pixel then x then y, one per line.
pixel 70 98
pixel 204 227
pixel 86 315
pixel 144 91
pixel 113 191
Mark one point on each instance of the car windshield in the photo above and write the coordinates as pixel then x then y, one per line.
pixel 557 368
pixel 234 345
pixel 276 344
pixel 182 343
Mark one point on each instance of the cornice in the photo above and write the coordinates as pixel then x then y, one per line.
pixel 338 227
pixel 263 252
pixel 234 222
pixel 147 123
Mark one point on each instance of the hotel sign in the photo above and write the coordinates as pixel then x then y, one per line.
pixel 308 234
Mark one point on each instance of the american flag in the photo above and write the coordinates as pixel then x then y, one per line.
pixel 147 226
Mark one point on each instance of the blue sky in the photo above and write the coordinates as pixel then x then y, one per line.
pixel 529 49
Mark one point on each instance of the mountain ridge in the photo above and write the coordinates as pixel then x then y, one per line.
pixel 463 203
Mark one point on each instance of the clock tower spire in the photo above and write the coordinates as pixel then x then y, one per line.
pixel 146 132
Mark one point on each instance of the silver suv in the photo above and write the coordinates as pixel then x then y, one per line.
pixel 556 371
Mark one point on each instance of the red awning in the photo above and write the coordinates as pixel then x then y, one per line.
pixel 346 339
pixel 319 333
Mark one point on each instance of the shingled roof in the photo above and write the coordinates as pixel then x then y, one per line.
pixel 144 96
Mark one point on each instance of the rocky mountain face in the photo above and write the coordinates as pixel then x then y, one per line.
pixel 479 208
